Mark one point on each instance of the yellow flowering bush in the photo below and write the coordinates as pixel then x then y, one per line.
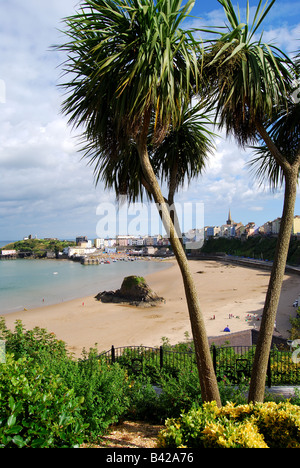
pixel 233 435
pixel 266 425
pixel 280 423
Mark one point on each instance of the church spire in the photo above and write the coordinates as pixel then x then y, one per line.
pixel 229 220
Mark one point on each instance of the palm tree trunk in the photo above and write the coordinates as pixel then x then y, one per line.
pixel 207 377
pixel 259 370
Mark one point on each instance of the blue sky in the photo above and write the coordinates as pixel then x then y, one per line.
pixel 46 189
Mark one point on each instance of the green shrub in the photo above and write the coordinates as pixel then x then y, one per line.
pixel 179 393
pixel 244 426
pixel 144 401
pixel 47 398
pixel 38 344
pixel 105 389
pixel 279 423
pixel 102 388
pixel 295 322
pixel 37 409
pixel 174 395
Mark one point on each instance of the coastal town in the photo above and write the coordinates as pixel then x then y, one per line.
pixel 94 251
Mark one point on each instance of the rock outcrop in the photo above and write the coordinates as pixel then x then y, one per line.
pixel 134 291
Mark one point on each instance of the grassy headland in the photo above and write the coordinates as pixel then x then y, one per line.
pixel 39 247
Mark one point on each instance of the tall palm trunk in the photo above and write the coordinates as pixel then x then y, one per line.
pixel 259 370
pixel 207 377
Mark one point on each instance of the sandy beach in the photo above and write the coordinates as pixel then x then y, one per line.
pixel 229 295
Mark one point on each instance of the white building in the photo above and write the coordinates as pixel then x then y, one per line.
pixel 276 225
pixel 78 251
pixel 8 252
pixel 99 243
pixel 110 242
pixel 211 231
pixel 267 227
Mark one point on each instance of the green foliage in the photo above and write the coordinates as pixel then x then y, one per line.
pixel 128 59
pixel 168 398
pixel 39 246
pixel 37 409
pixel 38 344
pixel 104 388
pixel 266 425
pixel 131 281
pixel 295 322
pixel 254 247
pixel 144 401
pixel 49 399
pixel 249 79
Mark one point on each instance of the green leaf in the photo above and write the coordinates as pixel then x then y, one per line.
pixel 19 441
pixel 11 420
pixel 11 403
pixel 14 429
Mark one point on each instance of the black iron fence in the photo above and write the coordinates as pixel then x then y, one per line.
pixel 232 364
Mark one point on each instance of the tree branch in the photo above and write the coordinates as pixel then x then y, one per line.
pixel 280 159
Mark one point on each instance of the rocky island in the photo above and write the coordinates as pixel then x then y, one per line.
pixel 134 291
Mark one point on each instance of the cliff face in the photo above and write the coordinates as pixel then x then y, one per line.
pixel 134 291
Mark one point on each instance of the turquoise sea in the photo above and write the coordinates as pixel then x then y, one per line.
pixel 34 283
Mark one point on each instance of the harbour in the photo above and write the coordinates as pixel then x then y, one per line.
pixel 33 283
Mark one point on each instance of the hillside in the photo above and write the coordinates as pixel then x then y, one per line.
pixel 254 247
pixel 39 247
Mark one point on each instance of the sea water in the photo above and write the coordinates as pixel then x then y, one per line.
pixel 27 283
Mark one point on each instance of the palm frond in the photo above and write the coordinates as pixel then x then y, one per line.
pixel 127 60
pixel 247 79
pixel 185 148
pixel 285 133
pixel 131 54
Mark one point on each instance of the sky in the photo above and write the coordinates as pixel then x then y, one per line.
pixel 47 190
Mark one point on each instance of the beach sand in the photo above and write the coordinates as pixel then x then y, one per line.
pixel 229 295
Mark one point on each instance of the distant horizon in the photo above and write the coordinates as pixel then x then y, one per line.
pixel 73 238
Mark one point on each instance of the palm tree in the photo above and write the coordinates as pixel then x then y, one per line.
pixel 133 66
pixel 176 161
pixel 250 82
pixel 284 136
pixel 183 153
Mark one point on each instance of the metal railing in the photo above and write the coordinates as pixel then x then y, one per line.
pixel 232 364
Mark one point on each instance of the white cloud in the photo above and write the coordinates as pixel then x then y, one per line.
pixel 284 37
pixel 45 187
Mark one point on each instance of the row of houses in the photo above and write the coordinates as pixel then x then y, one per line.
pixel 113 245
pixel 151 243
pixel 272 227
pixel 238 230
